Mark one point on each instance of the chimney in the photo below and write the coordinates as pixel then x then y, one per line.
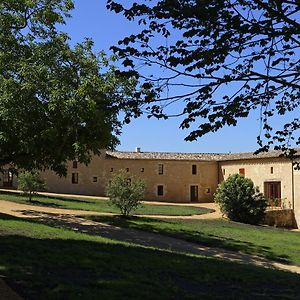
pixel 138 149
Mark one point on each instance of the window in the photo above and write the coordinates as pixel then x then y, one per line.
pixel 74 178
pixel 160 169
pixel 127 169
pixel 208 191
pixel 142 170
pixel 95 179
pixel 272 190
pixel 160 190
pixel 272 170
pixel 111 169
pixel 224 171
pixel 194 169
pixel 242 172
pixel 74 164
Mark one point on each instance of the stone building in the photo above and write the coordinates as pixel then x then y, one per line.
pixel 179 177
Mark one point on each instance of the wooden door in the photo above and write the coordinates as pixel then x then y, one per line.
pixel 272 190
pixel 194 193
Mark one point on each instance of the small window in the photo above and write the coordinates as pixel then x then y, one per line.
pixel 74 164
pixel 272 170
pixel 160 169
pixel 95 179
pixel 242 171
pixel 194 169
pixel 208 191
pixel 224 171
pixel 74 178
pixel 160 190
pixel 127 169
pixel 111 169
pixel 142 170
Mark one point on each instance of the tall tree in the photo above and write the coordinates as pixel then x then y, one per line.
pixel 221 59
pixel 57 102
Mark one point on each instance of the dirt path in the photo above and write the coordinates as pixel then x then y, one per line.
pixel 9 207
pixel 214 215
pixel 76 196
pixel 67 219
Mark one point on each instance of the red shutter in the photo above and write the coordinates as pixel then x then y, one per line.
pixel 242 172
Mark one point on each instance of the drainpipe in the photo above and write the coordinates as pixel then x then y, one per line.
pixel 218 166
pixel 293 187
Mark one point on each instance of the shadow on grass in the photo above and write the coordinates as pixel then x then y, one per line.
pixel 51 268
pixel 169 228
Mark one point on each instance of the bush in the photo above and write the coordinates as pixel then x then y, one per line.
pixel 125 192
pixel 240 200
pixel 31 183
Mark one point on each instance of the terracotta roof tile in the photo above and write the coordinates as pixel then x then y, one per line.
pixel 163 155
pixel 192 156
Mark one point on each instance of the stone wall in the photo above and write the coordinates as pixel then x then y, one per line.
pixel 269 170
pixel 177 178
pixel 280 218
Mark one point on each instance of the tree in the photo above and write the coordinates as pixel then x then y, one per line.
pixel 31 183
pixel 221 60
pixel 125 192
pixel 240 200
pixel 57 102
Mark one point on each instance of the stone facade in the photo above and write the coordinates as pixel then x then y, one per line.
pixel 268 171
pixel 262 171
pixel 180 177
pixel 176 178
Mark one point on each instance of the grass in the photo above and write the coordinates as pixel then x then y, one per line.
pixel 272 243
pixel 41 262
pixel 99 205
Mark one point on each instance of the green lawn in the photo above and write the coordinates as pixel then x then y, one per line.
pixel 41 262
pixel 273 243
pixel 103 205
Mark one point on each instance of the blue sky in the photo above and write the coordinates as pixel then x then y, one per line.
pixel 91 19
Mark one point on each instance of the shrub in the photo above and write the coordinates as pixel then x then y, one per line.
pixel 240 200
pixel 125 192
pixel 31 183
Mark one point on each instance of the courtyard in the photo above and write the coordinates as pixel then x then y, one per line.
pixel 83 254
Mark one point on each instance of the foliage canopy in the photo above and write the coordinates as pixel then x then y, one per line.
pixel 31 183
pixel 57 102
pixel 240 200
pixel 125 192
pixel 220 60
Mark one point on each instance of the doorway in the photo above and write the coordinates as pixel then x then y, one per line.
pixel 194 193
pixel 7 179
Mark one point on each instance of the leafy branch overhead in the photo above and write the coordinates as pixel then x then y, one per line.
pixel 57 102
pixel 219 60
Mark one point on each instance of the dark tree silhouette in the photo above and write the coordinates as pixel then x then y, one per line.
pixel 221 59
pixel 57 102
